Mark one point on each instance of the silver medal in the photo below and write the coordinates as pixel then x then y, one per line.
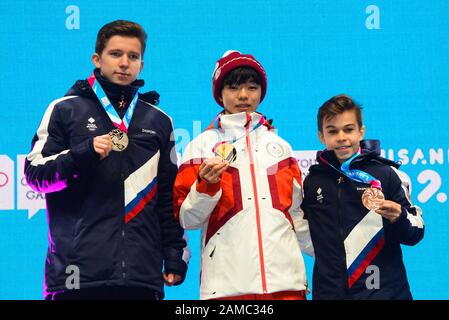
pixel 119 140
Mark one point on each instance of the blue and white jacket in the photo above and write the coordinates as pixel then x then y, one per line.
pixel 113 219
pixel 357 252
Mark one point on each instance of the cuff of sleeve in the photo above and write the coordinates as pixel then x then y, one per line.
pixel 84 154
pixel 402 218
pixel 179 268
pixel 403 215
pixel 211 189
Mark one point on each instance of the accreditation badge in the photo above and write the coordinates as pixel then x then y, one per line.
pixel 119 140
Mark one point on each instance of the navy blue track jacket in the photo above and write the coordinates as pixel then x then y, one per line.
pixel 332 205
pixel 113 219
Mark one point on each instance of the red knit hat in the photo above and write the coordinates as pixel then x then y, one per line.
pixel 230 60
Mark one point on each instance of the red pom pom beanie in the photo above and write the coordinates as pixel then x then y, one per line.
pixel 230 60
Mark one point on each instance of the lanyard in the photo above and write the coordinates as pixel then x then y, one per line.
pixel 122 124
pixel 354 174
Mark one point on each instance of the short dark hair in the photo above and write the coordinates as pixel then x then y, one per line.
pixel 120 28
pixel 337 105
pixel 241 75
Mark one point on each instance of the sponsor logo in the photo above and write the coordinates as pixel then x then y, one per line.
pixel 148 131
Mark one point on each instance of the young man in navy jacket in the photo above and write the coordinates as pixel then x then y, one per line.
pixel 103 156
pixel 359 212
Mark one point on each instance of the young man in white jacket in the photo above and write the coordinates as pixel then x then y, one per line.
pixel 240 183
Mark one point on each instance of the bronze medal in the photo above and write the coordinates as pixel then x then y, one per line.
pixel 226 151
pixel 372 197
pixel 119 140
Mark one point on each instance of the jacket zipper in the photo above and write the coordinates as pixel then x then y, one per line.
pixel 256 202
pixel 341 231
pixel 123 231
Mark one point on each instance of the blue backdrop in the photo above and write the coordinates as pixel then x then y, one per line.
pixel 391 56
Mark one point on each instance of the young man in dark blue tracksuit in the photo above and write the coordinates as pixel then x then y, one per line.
pixel 103 154
pixel 359 212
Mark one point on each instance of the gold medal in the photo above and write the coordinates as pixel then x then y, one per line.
pixel 226 151
pixel 119 140
pixel 372 197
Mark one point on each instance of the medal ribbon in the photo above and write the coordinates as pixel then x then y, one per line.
pixel 354 174
pixel 121 124
pixel 233 140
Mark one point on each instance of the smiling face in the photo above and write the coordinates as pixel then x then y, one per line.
pixel 342 134
pixel 244 97
pixel 121 59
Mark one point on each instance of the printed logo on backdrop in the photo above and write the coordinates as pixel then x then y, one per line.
pixel 14 186
pixel 430 164
pixel 6 183
pixel 306 159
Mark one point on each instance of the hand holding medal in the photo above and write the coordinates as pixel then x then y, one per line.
pixel 103 145
pixel 390 210
pixel 211 169
pixel 374 199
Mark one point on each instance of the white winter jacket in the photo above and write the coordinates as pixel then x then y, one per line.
pixel 252 225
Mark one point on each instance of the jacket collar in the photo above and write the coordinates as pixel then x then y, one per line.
pixel 239 120
pixel 235 125
pixel 114 91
